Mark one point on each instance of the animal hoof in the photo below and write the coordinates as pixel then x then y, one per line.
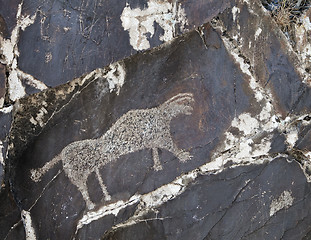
pixel 91 206
pixel 35 175
pixel 107 197
pixel 157 167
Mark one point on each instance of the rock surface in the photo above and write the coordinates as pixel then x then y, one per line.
pixel 206 136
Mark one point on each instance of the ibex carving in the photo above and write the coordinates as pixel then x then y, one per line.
pixel 134 131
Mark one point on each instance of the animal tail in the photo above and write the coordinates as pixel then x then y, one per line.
pixel 36 174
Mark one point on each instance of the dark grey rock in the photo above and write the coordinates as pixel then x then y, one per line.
pixel 2 84
pixel 10 217
pixel 8 12
pixel 69 38
pixel 204 137
pixel 212 209
pixel 5 122
pixel 143 88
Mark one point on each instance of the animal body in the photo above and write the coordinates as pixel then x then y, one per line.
pixel 134 131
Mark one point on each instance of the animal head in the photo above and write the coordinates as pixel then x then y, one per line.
pixel 182 103
pixel 35 175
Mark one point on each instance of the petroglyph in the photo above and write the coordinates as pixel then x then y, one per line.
pixel 134 131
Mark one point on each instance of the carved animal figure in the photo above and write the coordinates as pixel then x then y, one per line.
pixel 134 131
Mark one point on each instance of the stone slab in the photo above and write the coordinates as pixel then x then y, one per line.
pixel 203 137
pixel 69 38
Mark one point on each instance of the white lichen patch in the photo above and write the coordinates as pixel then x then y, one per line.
pixel 253 138
pixel 111 209
pixel 28 225
pixel 259 92
pixel 30 80
pixel 292 137
pixel 241 145
pixel 263 147
pixel 1 154
pixel 245 123
pixel 6 110
pixel 266 121
pixel 257 33
pixel 306 167
pixel 235 11
pixel 115 74
pixel 306 23
pixel 303 47
pixel 10 53
pixel 140 22
pixel 290 130
pixel 302 43
pixel 16 88
pixel 285 200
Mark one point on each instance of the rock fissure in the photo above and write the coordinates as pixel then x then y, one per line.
pixel 12 228
pixel 9 57
pixel 145 206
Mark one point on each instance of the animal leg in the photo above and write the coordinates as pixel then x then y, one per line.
pixel 102 185
pixel 156 160
pixel 182 155
pixel 84 191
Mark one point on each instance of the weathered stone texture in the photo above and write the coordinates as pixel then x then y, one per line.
pixel 206 136
pixel 8 16
pixel 71 38
pixel 262 45
pixel 214 208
